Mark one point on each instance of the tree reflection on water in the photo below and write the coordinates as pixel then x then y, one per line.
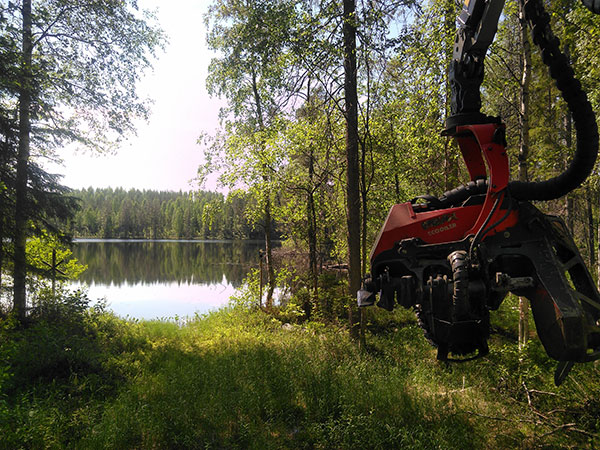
pixel 158 279
pixel 150 262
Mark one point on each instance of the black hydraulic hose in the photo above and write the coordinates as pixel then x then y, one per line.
pixel 592 5
pixel 584 119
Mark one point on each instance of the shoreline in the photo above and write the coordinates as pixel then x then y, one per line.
pixel 141 240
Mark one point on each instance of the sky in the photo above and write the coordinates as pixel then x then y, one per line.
pixel 165 154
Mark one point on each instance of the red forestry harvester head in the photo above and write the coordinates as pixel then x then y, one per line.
pixel 455 258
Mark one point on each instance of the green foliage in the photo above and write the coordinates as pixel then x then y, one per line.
pixel 239 378
pixel 252 70
pixel 65 338
pixel 311 199
pixel 292 311
pixel 246 382
pixel 56 370
pixel 248 295
pixel 86 60
pixel 44 249
pixel 108 213
pixel 295 301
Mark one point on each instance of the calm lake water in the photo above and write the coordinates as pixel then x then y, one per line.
pixel 159 279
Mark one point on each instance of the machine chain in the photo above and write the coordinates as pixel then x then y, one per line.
pixel 579 106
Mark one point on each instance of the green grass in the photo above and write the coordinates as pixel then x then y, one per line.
pixel 238 379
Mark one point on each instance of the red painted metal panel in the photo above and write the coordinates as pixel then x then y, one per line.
pixel 477 144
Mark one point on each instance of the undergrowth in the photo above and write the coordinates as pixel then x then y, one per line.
pixel 240 378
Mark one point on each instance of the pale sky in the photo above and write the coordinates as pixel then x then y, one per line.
pixel 164 155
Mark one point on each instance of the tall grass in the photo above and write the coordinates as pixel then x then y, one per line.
pixel 240 379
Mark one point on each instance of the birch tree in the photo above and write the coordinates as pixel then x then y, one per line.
pixel 253 39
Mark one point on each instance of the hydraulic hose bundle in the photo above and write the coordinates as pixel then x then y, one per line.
pixel 586 128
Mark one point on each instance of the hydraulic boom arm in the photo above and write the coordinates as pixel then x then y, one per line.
pixel 478 22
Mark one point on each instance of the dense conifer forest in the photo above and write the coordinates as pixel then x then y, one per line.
pixel 118 213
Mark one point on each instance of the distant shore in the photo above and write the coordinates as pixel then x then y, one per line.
pixel 222 241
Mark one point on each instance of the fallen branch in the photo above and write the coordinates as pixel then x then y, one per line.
pixel 586 433
pixel 558 428
pixel 554 394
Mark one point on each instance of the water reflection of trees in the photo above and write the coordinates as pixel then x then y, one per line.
pixel 159 262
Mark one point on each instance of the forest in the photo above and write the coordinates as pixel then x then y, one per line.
pixel 284 152
pixel 107 213
pixel 334 113
pixel 287 137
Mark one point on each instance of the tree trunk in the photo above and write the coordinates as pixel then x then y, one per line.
pixel 1 248
pixel 269 252
pixel 598 256
pixel 364 198
pixel 451 163
pixel 364 146
pixel 21 207
pixel 524 150
pixel 352 171
pixel 4 157
pixel 569 213
pixel 312 234
pixel 311 216
pixel 393 151
pixel 365 253
pixel 267 212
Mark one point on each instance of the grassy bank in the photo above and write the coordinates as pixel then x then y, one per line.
pixel 241 379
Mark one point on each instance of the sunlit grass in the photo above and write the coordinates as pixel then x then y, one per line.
pixel 236 379
pixel 240 379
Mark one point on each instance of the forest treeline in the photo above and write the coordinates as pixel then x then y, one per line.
pixel 148 214
pixel 333 114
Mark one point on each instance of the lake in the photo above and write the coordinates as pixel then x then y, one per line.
pixel 159 279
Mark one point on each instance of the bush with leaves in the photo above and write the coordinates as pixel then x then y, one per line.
pixel 64 337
